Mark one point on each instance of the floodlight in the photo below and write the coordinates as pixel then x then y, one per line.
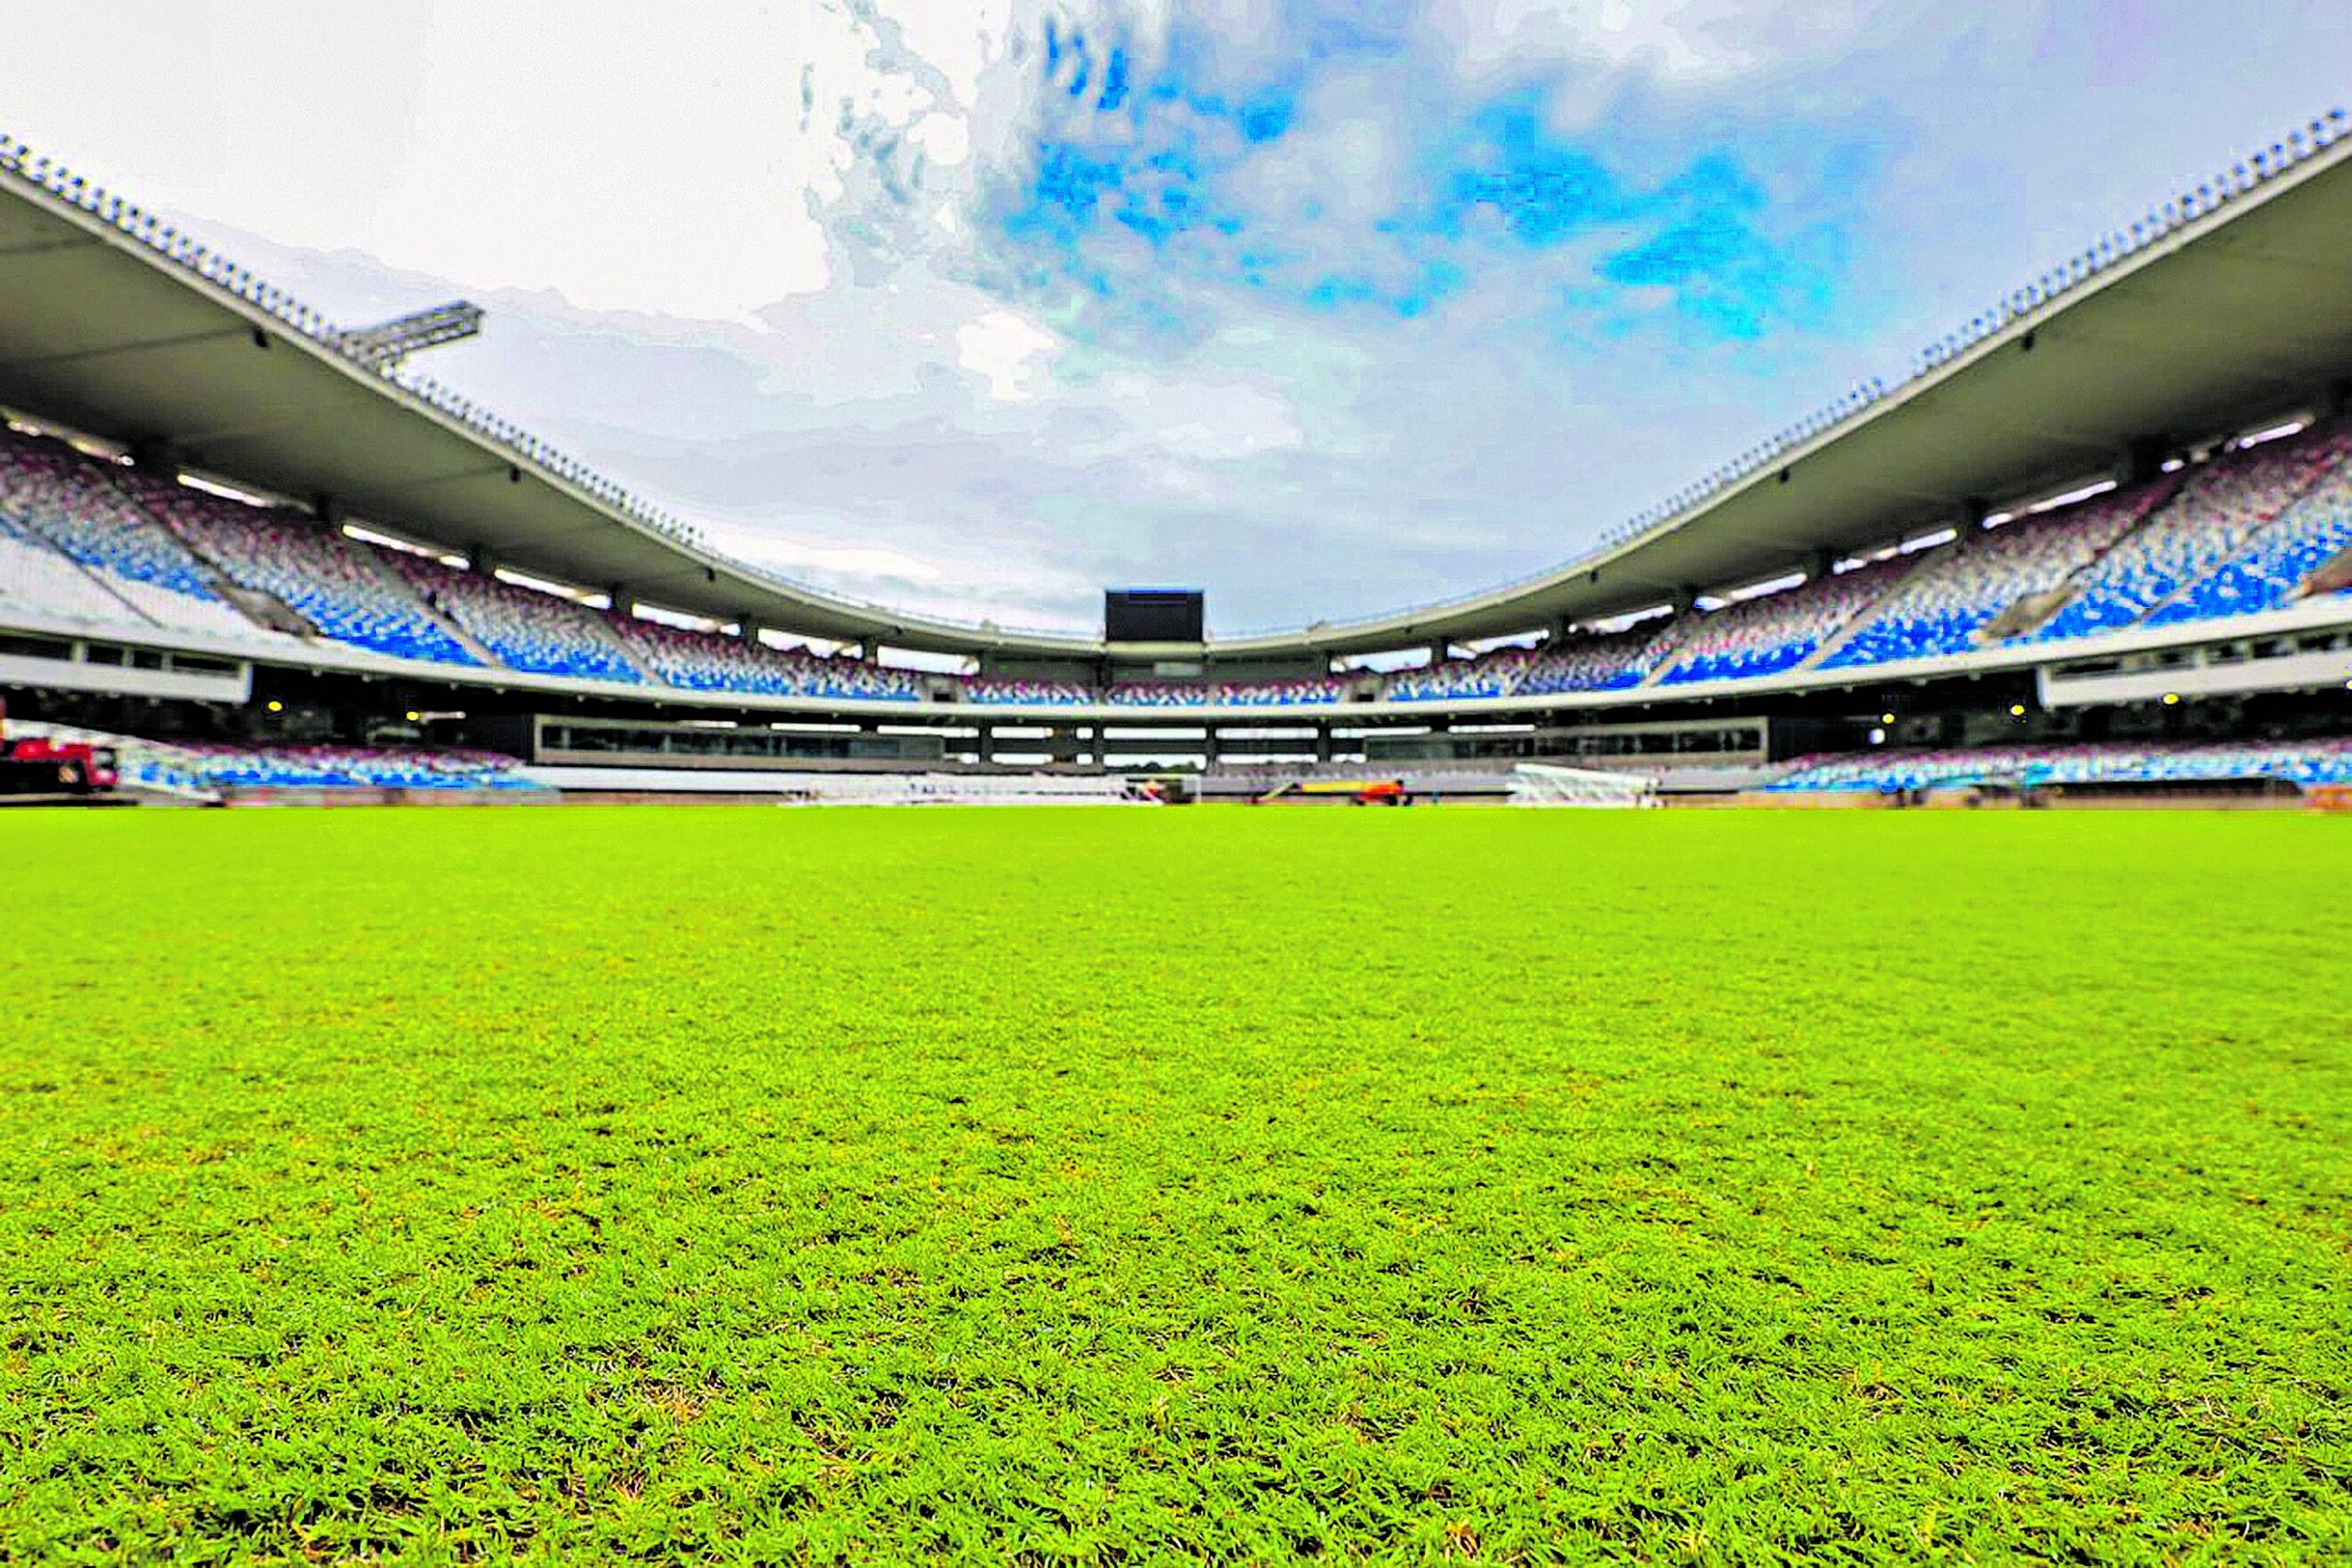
pixel 384 346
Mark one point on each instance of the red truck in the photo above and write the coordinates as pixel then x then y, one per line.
pixel 41 766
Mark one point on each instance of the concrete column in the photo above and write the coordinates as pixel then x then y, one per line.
pixel 156 455
pixel 1441 650
pixel 986 744
pixel 1323 744
pixel 750 629
pixel 624 602
pixel 327 509
pixel 2142 459
pixel 485 561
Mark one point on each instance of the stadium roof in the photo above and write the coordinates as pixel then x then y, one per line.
pixel 2226 306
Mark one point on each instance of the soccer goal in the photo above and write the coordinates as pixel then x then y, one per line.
pixel 1542 784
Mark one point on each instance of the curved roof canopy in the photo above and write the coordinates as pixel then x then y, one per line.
pixel 2228 310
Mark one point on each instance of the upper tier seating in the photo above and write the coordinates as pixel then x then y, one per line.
pixel 1612 662
pixel 1957 592
pixel 1491 675
pixel 710 661
pixel 2152 762
pixel 996 691
pixel 54 493
pixel 1601 662
pixel 117 565
pixel 2220 505
pixel 1777 631
pixel 338 586
pixel 37 579
pixel 2272 568
pixel 526 629
pixel 1305 692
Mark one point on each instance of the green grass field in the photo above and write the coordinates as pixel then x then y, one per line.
pixel 1121 1186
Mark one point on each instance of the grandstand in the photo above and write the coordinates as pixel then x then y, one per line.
pixel 526 629
pixel 2308 764
pixel 2218 508
pixel 1959 592
pixel 2278 563
pixel 705 661
pixel 1605 662
pixel 337 587
pixel 1310 692
pixel 1779 631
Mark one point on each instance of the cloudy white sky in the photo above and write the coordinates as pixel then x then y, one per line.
pixel 1325 305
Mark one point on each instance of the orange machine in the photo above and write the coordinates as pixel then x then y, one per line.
pixel 1353 792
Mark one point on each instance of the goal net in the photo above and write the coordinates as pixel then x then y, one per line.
pixel 1542 784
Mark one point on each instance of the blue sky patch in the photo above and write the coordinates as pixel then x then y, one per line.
pixel 1158 184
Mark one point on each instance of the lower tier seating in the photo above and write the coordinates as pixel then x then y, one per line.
pixel 197 767
pixel 1891 773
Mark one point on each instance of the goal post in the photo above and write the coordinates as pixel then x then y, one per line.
pixel 1546 783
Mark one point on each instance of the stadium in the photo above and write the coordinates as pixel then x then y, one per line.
pixel 1855 1169
pixel 2083 547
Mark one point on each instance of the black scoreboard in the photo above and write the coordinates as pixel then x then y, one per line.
pixel 1153 615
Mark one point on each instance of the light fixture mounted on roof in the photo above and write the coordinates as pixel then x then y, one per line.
pixel 383 346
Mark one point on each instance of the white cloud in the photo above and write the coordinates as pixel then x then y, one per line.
pixel 1007 351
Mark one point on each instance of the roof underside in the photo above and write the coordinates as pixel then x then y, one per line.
pixel 2230 320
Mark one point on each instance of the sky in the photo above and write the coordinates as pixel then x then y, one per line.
pixel 977 306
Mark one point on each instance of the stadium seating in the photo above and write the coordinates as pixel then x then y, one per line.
pixel 52 493
pixel 996 693
pixel 196 767
pixel 1606 663
pixel 2204 526
pixel 1491 675
pixel 524 628
pixel 1777 631
pixel 1603 663
pixel 2273 566
pixel 83 552
pixel 1891 772
pixel 338 586
pixel 85 541
pixel 1303 693
pixel 37 579
pixel 711 662
pixel 1944 605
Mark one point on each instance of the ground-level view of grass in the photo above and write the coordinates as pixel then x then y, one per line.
pixel 1113 1186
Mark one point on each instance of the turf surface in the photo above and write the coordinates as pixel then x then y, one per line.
pixel 1126 1185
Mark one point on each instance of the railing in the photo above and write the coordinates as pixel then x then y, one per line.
pixel 2104 255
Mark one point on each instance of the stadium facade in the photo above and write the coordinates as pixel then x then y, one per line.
pixel 2117 507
